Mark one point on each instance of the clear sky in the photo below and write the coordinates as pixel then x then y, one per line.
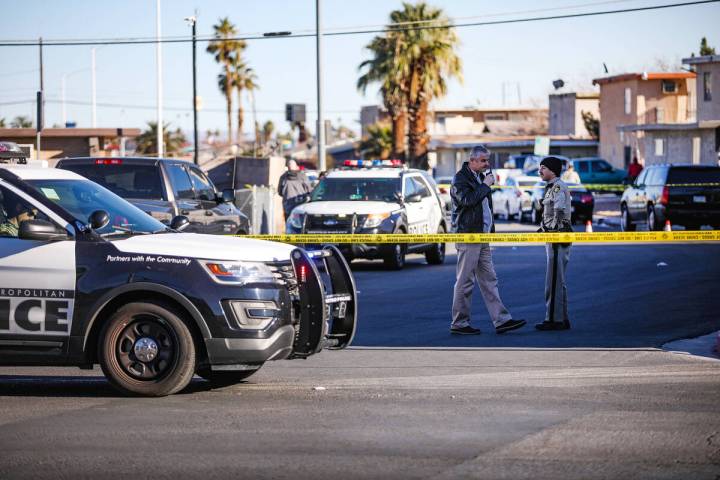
pixel 522 59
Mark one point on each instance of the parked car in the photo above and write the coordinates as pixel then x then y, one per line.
pixel 672 192
pixel 87 278
pixel 444 184
pixel 582 203
pixel 515 199
pixel 165 188
pixel 597 170
pixel 532 164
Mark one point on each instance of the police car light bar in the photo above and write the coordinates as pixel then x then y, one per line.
pixel 373 163
pixel 108 161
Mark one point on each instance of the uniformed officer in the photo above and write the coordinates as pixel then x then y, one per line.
pixel 556 218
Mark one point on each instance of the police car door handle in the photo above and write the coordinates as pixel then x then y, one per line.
pixel 208 213
pixel 184 212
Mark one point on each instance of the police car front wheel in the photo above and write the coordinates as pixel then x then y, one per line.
pixel 146 348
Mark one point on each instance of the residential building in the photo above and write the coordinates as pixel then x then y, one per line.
pixel 479 121
pixel 566 113
pixel 634 99
pixel 697 140
pixel 57 143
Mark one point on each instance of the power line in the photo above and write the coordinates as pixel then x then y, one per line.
pixel 386 29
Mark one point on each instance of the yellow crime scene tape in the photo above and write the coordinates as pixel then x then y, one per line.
pixel 575 237
pixel 614 187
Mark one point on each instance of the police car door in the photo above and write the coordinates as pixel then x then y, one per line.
pixel 431 205
pixel 37 284
pixel 414 211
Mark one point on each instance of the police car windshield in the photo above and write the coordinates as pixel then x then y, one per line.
pixel 356 189
pixel 82 197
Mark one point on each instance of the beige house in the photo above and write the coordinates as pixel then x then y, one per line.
pixel 566 111
pixel 634 99
pixel 697 139
pixel 494 121
pixel 57 143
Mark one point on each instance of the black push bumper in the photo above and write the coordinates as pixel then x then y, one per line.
pixel 327 304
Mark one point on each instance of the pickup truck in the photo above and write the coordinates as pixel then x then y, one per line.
pixel 87 278
pixel 165 188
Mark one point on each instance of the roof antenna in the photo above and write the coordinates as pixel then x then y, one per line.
pixel 605 67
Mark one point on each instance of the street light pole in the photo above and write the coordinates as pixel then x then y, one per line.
pixel 94 91
pixel 193 23
pixel 159 129
pixel 320 119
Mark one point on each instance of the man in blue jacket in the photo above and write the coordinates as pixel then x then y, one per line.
pixel 472 213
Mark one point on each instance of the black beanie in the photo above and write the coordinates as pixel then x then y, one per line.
pixel 554 164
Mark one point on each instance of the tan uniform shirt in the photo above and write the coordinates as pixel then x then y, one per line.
pixel 556 205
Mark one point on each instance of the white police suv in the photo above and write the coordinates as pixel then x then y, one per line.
pixel 371 197
pixel 86 277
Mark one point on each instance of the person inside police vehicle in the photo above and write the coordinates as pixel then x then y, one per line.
pixel 13 211
pixel 556 218
pixel 472 213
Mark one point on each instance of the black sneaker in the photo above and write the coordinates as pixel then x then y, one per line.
pixel 465 331
pixel 510 325
pixel 547 326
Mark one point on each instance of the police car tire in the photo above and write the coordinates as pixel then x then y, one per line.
pixel 395 258
pixel 224 379
pixel 436 254
pixel 178 340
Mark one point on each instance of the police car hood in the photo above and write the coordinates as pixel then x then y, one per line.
pixel 345 208
pixel 209 247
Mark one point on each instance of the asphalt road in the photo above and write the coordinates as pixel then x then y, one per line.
pixel 522 405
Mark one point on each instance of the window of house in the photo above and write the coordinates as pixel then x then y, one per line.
pixel 659 147
pixel 494 116
pixel 628 101
pixel 707 86
pixel 668 86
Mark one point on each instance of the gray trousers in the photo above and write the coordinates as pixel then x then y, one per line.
pixel 474 263
pixel 556 299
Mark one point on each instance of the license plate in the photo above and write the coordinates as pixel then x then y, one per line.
pixel 699 199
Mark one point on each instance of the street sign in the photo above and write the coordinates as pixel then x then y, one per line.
pixel 295 112
pixel 542 146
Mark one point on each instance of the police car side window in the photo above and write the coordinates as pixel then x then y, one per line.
pixel 582 167
pixel 180 182
pixel 13 211
pixel 641 178
pixel 420 187
pixel 409 188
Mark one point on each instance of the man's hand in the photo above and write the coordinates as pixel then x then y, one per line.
pixel 489 180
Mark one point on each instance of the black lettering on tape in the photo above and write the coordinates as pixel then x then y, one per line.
pixel 5 314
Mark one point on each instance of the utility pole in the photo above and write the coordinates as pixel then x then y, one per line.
pixel 40 104
pixel 193 21
pixel 158 50
pixel 94 89
pixel 320 120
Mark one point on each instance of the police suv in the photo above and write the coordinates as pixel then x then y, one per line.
pixel 86 277
pixel 372 197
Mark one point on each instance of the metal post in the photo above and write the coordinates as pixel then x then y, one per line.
pixel 40 103
pixel 320 119
pixel 158 49
pixel 195 100
pixel 94 90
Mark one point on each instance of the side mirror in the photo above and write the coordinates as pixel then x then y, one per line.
pixel 98 219
pixel 414 198
pixel 227 196
pixel 42 230
pixel 180 223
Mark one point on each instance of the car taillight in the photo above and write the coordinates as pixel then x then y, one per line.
pixel 108 161
pixel 518 193
pixel 442 189
pixel 665 196
pixel 586 198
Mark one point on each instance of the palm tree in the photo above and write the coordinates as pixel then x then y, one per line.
pixel 267 131
pixel 379 143
pixel 428 59
pixel 147 140
pixel 21 121
pixel 243 78
pixel 2 123
pixel 388 69
pixel 225 48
